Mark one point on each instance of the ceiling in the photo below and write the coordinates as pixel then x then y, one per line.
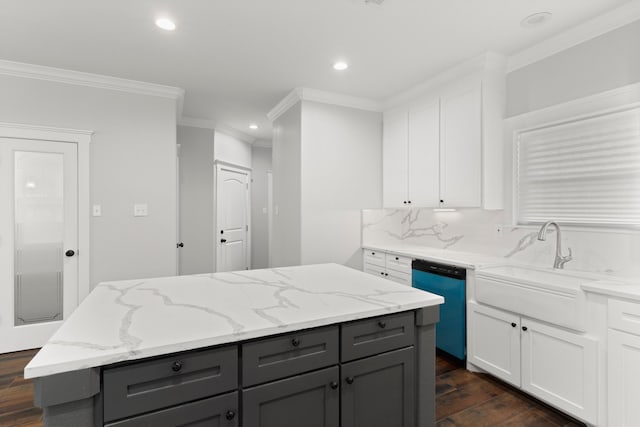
pixel 237 58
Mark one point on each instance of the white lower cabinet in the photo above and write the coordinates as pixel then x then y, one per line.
pixel 624 363
pixel 553 364
pixel 494 342
pixel 394 267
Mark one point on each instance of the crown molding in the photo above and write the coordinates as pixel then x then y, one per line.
pixel 228 130
pixel 194 122
pixel 332 98
pixel 616 18
pixel 487 60
pixel 59 75
pixel 287 102
pixel 323 97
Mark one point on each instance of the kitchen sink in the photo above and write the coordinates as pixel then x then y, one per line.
pixel 550 295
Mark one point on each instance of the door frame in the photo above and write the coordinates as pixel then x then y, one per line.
pixel 217 165
pixel 82 139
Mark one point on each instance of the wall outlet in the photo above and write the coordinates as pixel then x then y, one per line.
pixel 97 210
pixel 140 210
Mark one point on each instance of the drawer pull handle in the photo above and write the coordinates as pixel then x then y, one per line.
pixel 513 325
pixel 397 259
pixel 382 272
pixel 176 366
pixel 295 342
pixel 382 324
pixel 230 415
pixel 524 328
pixel 333 385
pixel 350 380
pixel 373 253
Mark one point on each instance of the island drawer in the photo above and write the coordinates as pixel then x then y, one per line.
pixel 289 354
pixel 377 335
pixel 151 385
pixel 219 411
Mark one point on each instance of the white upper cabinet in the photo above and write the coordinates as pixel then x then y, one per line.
pixel 461 148
pixel 443 147
pixel 395 152
pixel 424 158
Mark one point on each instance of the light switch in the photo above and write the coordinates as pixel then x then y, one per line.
pixel 97 210
pixel 140 210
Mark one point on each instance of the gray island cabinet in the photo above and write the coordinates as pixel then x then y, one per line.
pixel 372 365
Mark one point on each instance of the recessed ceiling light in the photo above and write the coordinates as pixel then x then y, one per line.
pixel 536 19
pixel 340 66
pixel 253 126
pixel 166 24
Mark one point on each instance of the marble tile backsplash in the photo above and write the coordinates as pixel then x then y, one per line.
pixel 481 231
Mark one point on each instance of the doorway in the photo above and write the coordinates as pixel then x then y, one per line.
pixel 233 212
pixel 40 242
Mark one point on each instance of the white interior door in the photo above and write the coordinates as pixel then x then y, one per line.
pixel 232 217
pixel 38 240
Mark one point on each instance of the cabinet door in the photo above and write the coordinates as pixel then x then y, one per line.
pixel 461 147
pixel 310 400
pixel 561 368
pixel 395 159
pixel 424 154
pixel 379 391
pixel 494 342
pixel 624 371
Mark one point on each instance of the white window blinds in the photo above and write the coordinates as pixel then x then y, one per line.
pixel 584 172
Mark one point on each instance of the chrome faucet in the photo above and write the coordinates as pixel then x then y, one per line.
pixel 560 260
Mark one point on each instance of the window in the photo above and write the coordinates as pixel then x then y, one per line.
pixel 584 172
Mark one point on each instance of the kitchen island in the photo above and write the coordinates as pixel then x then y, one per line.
pixel 318 345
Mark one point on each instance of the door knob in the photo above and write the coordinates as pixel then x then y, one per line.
pixel 230 415
pixel 333 385
pixel 350 380
pixel 223 240
pixel 180 245
pixel 70 253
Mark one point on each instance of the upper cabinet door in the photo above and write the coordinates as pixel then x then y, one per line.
pixel 424 154
pixel 395 159
pixel 461 147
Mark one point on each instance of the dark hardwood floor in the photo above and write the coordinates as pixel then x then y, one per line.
pixel 463 399
pixel 16 393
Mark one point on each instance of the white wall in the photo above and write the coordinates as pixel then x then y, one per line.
pixel 229 149
pixel 606 62
pixel 285 242
pixel 261 164
pixel 133 160
pixel 341 174
pixel 196 199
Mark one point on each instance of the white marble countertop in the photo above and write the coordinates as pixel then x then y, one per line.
pixel 620 287
pixel 445 256
pixel 134 319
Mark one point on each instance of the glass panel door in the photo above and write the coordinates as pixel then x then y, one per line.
pixel 38 236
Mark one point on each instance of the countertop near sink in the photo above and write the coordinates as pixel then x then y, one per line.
pixel 134 319
pixel 445 256
pixel 621 287
pixel 628 289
